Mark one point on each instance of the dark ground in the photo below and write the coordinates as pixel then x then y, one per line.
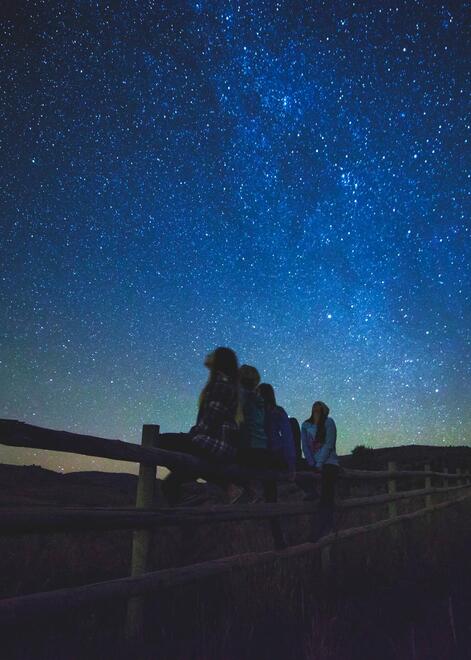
pixel 408 597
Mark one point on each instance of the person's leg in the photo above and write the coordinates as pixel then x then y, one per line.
pixel 308 485
pixel 173 482
pixel 260 458
pixel 323 522
pixel 175 442
pixel 329 473
pixel 270 492
pixel 326 505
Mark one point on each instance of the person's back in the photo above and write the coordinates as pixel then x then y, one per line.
pixel 280 436
pixel 252 427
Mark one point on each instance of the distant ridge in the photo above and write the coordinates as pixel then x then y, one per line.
pixel 412 456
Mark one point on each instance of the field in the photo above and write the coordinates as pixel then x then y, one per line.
pixel 406 596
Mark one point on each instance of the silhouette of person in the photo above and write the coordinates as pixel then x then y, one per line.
pixel 215 434
pixel 323 453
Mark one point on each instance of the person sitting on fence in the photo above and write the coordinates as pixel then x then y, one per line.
pixel 323 448
pixel 254 451
pixel 215 434
pixel 251 413
pixel 278 429
pixel 308 434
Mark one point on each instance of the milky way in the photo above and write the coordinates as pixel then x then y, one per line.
pixel 286 178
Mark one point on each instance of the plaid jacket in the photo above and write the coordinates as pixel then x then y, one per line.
pixel 215 431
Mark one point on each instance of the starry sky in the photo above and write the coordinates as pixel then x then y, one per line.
pixel 290 179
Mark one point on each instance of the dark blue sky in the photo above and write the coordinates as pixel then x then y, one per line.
pixel 288 180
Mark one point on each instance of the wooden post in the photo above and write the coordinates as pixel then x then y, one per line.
pixel 142 537
pixel 458 481
pixel 270 491
pixel 392 506
pixel 445 480
pixel 428 484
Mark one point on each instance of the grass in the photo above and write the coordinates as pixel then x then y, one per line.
pixel 386 597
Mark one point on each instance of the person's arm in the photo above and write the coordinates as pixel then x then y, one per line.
pixel 329 443
pixel 306 445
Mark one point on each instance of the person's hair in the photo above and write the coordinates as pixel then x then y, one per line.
pixel 310 419
pixel 267 393
pixel 320 428
pixel 249 376
pixel 224 361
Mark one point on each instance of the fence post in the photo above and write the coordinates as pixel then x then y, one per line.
pixel 428 485
pixel 446 481
pixel 392 506
pixel 141 537
pixel 458 481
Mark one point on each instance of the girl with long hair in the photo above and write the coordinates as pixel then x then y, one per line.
pixel 215 431
pixel 278 429
pixel 215 434
pixel 322 446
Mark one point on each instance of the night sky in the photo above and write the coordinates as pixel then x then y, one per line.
pixel 290 179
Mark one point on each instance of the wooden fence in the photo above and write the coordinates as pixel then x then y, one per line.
pixel 146 518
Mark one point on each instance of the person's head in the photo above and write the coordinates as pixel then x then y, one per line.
pixel 249 377
pixel 223 360
pixel 320 412
pixel 267 393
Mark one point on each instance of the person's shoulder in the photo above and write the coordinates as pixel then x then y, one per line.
pixel 281 412
pixel 306 424
pixel 330 422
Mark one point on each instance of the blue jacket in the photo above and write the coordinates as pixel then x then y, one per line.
pixel 326 453
pixel 280 435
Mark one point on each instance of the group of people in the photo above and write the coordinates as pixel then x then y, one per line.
pixel 239 422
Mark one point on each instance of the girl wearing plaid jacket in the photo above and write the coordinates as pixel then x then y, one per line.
pixel 215 434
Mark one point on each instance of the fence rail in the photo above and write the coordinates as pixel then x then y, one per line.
pixel 145 519
pixel 19 434
pixel 14 611
pixel 36 520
